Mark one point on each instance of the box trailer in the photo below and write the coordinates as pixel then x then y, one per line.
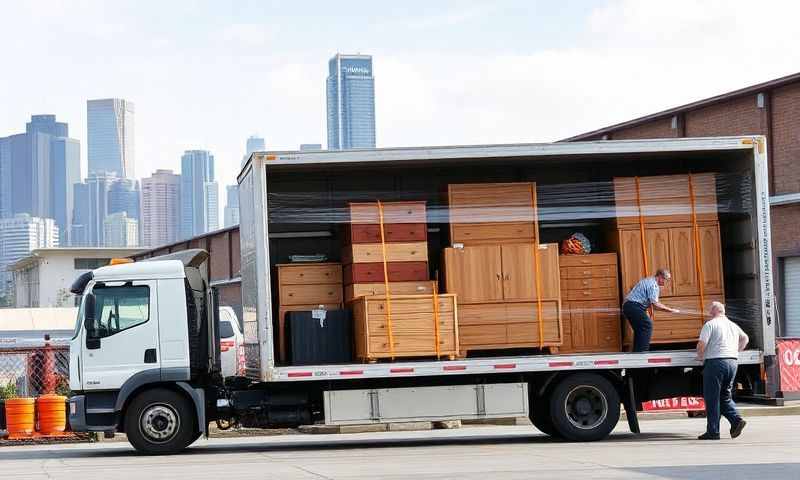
pixel 296 205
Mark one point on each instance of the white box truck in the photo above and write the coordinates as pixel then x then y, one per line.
pixel 144 358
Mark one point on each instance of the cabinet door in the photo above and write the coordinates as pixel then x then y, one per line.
pixel 630 259
pixel 474 273
pixel 658 255
pixel 683 267
pixel 710 257
pixel 519 272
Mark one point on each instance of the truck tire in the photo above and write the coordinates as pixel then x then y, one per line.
pixel 160 422
pixel 584 407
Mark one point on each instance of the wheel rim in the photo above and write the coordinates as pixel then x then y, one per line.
pixel 586 407
pixel 159 423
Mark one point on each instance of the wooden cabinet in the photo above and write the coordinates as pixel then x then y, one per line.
pixel 355 290
pixel 590 303
pixel 368 213
pixel 492 213
pixel 415 325
pixel 688 245
pixel 496 289
pixel 305 287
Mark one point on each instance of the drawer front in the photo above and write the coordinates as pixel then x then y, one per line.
pixel 491 202
pixel 373 272
pixel 402 306
pixel 310 294
pixel 395 252
pixel 395 288
pixel 568 284
pixel 412 325
pixel 477 233
pixel 408 345
pixel 482 314
pixel 393 212
pixel 471 335
pixel 307 274
pixel 393 232
pixel 592 271
pixel 587 260
pixel 529 332
pixel 591 294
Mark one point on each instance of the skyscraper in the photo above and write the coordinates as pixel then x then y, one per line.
pixel 91 208
pixel 123 196
pixel 199 194
pixel 110 125
pixel 310 147
pixel 255 144
pixel 161 214
pixel 232 206
pixel 350 89
pixel 37 170
pixel 120 231
pixel 18 236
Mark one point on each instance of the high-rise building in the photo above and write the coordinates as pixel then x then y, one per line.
pixel 255 144
pixel 310 147
pixel 91 209
pixel 199 194
pixel 350 90
pixel 123 196
pixel 161 215
pixel 37 170
pixel 119 230
pixel 232 206
pixel 18 236
pixel 110 131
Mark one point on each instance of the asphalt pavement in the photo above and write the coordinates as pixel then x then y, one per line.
pixel 667 449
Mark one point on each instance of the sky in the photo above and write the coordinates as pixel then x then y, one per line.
pixel 208 74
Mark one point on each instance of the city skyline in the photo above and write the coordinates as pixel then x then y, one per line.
pixel 350 102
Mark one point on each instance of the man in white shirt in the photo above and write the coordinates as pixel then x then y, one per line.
pixel 720 342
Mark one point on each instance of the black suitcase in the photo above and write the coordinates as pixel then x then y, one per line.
pixel 319 337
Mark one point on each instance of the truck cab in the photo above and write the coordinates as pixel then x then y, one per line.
pixel 143 350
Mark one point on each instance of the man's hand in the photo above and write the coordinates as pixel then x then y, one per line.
pixel 701 350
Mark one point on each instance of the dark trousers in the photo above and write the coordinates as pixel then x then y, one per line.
pixel 641 324
pixel 718 376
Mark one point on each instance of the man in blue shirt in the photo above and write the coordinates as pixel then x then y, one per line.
pixel 639 299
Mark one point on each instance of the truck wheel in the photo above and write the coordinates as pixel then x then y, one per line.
pixel 584 407
pixel 159 422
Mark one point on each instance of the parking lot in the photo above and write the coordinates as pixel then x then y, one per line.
pixel 666 449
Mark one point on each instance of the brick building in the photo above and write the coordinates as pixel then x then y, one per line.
pixel 771 109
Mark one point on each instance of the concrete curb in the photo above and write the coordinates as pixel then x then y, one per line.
pixel 745 410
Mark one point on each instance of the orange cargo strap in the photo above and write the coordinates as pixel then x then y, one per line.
pixel 537 271
pixel 698 262
pixel 386 282
pixel 436 317
pixel 643 238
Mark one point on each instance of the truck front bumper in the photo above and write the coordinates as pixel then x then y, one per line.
pixel 78 418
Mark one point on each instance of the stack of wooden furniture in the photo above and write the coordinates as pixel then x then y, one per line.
pixel 404 245
pixel 684 239
pixel 493 269
pixel 590 303
pixel 306 287
pixel 413 320
pixel 416 324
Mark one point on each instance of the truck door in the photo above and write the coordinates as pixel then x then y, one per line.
pixel 122 338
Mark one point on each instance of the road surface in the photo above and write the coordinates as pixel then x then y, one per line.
pixel 768 449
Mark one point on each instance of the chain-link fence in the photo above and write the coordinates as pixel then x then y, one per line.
pixel 30 372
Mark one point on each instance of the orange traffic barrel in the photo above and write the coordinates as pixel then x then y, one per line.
pixel 20 417
pixel 52 411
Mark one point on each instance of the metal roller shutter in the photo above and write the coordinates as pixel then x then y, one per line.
pixel 791 292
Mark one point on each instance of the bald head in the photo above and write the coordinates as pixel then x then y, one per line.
pixel 717 309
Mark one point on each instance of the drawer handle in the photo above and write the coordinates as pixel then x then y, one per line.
pixel 302 274
pixel 498 276
pixel 587 272
pixel 586 262
pixel 586 282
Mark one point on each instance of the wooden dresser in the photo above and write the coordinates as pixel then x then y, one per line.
pixel 663 210
pixel 492 213
pixel 306 287
pixel 405 249
pixel 590 303
pixel 415 325
pixel 497 296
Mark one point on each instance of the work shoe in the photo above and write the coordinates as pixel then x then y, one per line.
pixel 736 430
pixel 708 436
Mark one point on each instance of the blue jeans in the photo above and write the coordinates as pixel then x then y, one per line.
pixel 718 376
pixel 641 324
